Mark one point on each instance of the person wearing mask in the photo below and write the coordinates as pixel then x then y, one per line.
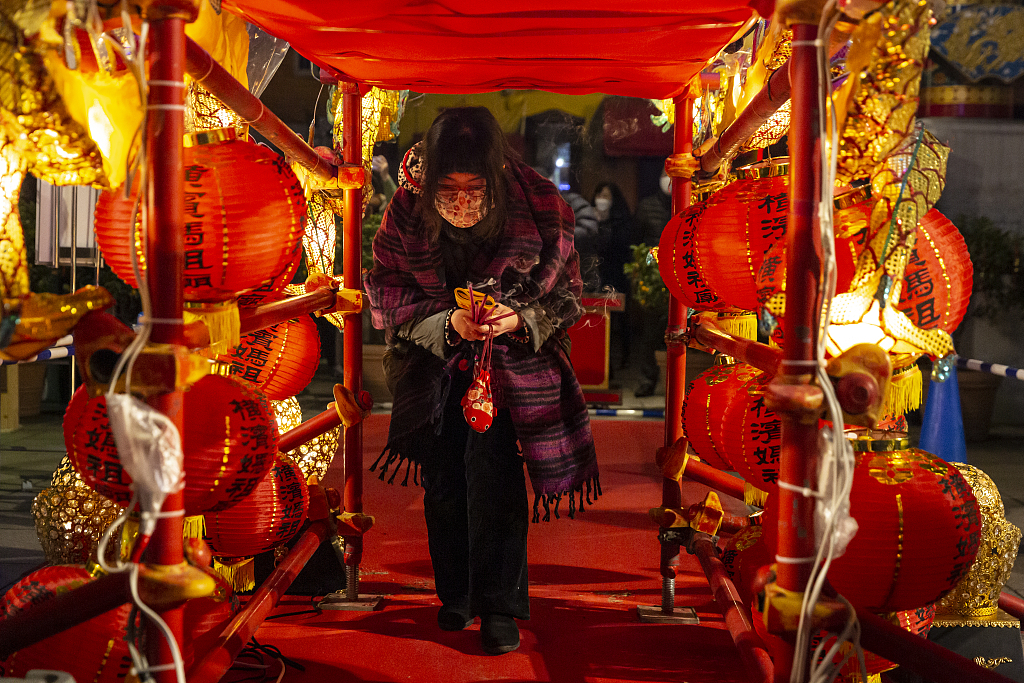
pixel 615 221
pixel 652 215
pixel 469 211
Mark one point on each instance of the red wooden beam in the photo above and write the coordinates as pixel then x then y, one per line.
pixel 1012 604
pixel 222 85
pixel 239 630
pixel 275 312
pixel 737 617
pixel 309 430
pixel 761 356
pixel 764 104
pixel 920 655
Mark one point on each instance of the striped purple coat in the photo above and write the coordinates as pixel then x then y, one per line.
pixel 535 264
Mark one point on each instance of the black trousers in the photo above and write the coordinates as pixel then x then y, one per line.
pixel 477 514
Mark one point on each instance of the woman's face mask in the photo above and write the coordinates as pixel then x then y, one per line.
pixel 602 204
pixel 460 199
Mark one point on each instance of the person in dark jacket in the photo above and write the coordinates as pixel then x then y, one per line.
pixel 468 211
pixel 652 215
pixel 616 221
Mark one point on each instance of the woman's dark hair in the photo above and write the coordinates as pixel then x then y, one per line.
pixel 620 207
pixel 465 140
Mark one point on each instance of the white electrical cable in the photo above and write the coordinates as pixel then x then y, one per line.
pixel 136 62
pixel 837 458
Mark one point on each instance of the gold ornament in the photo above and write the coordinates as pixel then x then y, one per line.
pixel 70 517
pixel 203 111
pixel 35 119
pixel 878 102
pixel 906 186
pixel 13 257
pixel 314 456
pixel 44 318
pixel 975 599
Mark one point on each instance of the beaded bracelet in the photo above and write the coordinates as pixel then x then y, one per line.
pixel 451 337
pixel 522 334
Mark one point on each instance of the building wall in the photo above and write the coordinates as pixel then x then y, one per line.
pixel 985 177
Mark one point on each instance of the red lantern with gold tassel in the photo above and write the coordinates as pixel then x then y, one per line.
pixel 677 261
pixel 939 276
pixel 752 434
pixel 742 221
pixel 93 651
pixel 267 518
pixel 230 441
pixel 919 528
pixel 708 397
pixel 280 360
pixel 245 214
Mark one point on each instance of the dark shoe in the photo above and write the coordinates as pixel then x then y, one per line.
pixel 450 619
pixel 645 389
pixel 498 634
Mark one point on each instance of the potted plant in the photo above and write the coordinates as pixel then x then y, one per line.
pixel 997 299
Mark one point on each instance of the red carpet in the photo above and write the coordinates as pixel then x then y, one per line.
pixel 587 577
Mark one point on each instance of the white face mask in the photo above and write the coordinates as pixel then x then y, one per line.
pixel 464 210
pixel 602 203
pixel 666 184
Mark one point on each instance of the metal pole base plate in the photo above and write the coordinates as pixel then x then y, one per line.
pixel 338 600
pixel 653 614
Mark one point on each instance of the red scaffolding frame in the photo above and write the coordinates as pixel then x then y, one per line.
pixel 170 52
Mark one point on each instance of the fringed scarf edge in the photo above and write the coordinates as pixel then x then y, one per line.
pixel 588 491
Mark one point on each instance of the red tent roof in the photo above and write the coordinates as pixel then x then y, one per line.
pixel 642 49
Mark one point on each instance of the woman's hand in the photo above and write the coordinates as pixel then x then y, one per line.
pixel 463 323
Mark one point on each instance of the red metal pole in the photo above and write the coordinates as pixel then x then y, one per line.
pixel 286 309
pixel 737 617
pixel 237 633
pixel 675 372
pixel 165 237
pixel 920 655
pixel 353 336
pixel 702 473
pixel 224 87
pixel 799 452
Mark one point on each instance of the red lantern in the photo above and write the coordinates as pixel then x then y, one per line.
pixel 267 518
pixel 273 289
pixel 741 223
pixel 94 650
pixel 919 529
pixel 939 276
pixel 280 360
pixel 708 397
pixel 752 434
pixel 245 214
pixel 677 262
pixel 230 440
pixel 851 220
pixel 745 553
pixel 91 447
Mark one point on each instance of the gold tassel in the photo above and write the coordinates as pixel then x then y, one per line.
pixel 129 531
pixel 754 496
pixel 221 319
pixel 194 527
pixel 905 389
pixel 241 574
pixel 742 325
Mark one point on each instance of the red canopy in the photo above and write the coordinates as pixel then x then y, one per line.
pixel 641 49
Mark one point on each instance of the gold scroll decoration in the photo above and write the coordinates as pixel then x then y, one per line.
pixel 877 104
